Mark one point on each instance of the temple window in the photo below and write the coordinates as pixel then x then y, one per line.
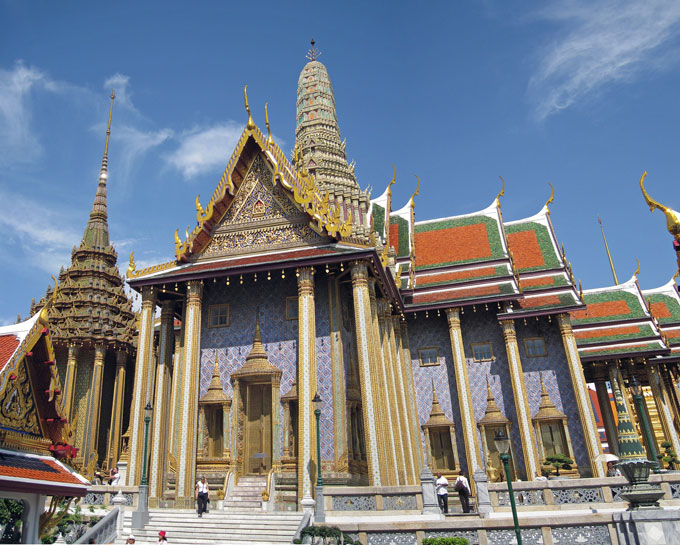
pixel 482 351
pixel 535 347
pixel 428 356
pixel 491 423
pixel 440 439
pixel 218 315
pixel 292 308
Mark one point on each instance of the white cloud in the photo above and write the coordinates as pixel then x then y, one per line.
pixel 44 236
pixel 120 83
pixel 205 149
pixel 602 42
pixel 134 144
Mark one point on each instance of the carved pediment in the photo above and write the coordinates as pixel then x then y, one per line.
pixel 18 411
pixel 262 216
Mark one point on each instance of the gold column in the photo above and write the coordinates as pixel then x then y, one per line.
pixel 94 398
pixel 467 415
pixel 607 414
pixel 401 394
pixel 177 360
pixel 186 459
pixel 116 429
pixel 70 380
pixel 416 439
pixel 337 359
pixel 362 318
pixel 580 387
pixel 144 352
pixel 531 462
pixel 306 382
pixel 159 445
pixel 663 406
pixel 381 395
pixel 395 431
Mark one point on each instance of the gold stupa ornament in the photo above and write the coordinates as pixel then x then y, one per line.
pixel 215 392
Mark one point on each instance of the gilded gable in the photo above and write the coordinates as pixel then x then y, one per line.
pixel 18 411
pixel 261 217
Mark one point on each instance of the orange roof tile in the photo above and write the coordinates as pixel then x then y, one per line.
pixel 602 310
pixel 604 332
pixel 8 345
pixel 445 295
pixel 540 301
pixel 456 275
pixel 536 282
pixel 525 249
pixel 461 243
pixel 38 468
pixel 660 310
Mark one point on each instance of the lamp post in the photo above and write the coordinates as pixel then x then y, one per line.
pixel 317 413
pixel 636 387
pixel 148 410
pixel 503 446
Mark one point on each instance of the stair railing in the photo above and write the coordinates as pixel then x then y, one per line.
pixel 105 531
pixel 228 483
pixel 267 500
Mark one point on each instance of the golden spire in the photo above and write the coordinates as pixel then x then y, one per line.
pixel 502 192
pixel 417 191
pixel 394 180
pixel 552 196
pixel 108 128
pixel 637 271
pixel 492 414
pixel 266 121
pixel 609 255
pixel 250 125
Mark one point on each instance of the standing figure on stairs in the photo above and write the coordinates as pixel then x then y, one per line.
pixel 202 491
pixel 161 538
pixel 462 486
pixel 442 486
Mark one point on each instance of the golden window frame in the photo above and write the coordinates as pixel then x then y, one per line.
pixel 289 300
pixel 487 343
pixel 210 315
pixel 420 356
pixel 526 349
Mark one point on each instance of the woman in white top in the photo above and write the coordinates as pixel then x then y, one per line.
pixel 202 492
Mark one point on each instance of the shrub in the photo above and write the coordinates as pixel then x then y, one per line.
pixel 445 541
pixel 559 461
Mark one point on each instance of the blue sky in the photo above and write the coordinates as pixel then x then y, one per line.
pixel 581 94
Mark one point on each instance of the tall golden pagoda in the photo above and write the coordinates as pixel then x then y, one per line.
pixel 93 330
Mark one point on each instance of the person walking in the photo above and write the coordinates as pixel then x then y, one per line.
pixel 202 491
pixel 442 486
pixel 161 538
pixel 462 486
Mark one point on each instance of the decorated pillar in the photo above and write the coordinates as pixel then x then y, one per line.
pixel 306 382
pixel 338 362
pixel 161 405
pixel 401 394
pixel 70 379
pixel 467 414
pixel 362 318
pixel 416 442
pixel 580 388
pixel 116 429
pixel 91 423
pixel 381 395
pixel 607 413
pixel 396 432
pixel 630 446
pixel 139 401
pixel 531 462
pixel 177 360
pixel 188 401
pixel 663 406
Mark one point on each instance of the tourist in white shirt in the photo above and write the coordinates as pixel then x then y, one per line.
pixel 202 492
pixel 442 486
pixel 462 486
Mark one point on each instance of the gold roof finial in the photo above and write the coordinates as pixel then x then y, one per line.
pixel 250 125
pixel 672 217
pixel 502 188
pixel 637 271
pixel 394 180
pixel 677 273
pixel 552 196
pixel 417 191
pixel 313 53
pixel 266 122
pixel 609 255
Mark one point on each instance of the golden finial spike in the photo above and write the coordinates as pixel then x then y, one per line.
pixel 394 180
pixel 502 189
pixel 108 128
pixel 580 292
pixel 313 54
pixel 417 191
pixel 132 266
pixel 677 273
pixel 250 125
pixel 637 271
pixel 609 255
pixel 552 196
pixel 672 217
pixel 266 121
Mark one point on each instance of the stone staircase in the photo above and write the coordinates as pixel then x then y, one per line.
pixel 246 496
pixel 217 527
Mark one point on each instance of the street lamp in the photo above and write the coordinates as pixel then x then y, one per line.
pixel 148 410
pixel 636 387
pixel 317 413
pixel 503 447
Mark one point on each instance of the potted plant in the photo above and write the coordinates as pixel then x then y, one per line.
pixel 559 461
pixel 669 457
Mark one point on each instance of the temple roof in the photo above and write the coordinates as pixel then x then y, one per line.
pixel 664 304
pixel 616 322
pixel 215 392
pixel 11 337
pixel 22 472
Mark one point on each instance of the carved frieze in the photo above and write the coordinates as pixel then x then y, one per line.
pixel 17 404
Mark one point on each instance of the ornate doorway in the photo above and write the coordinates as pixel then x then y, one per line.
pixel 258 428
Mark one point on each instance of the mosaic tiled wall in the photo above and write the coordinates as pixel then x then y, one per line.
pixel 483 326
pixel 230 345
pixel 83 380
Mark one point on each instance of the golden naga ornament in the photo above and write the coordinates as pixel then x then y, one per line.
pixel 672 217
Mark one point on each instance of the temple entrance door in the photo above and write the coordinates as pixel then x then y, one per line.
pixel 258 429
